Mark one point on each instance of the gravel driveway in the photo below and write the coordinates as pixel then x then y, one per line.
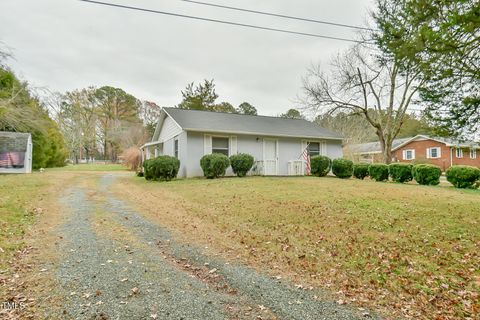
pixel 116 264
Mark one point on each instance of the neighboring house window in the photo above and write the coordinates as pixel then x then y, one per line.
pixel 433 153
pixel 409 154
pixel 314 148
pixel 175 148
pixel 473 153
pixel 459 153
pixel 220 145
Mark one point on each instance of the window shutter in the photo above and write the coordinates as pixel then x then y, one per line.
pixel 323 148
pixel 413 154
pixel 439 152
pixel 404 153
pixel 428 153
pixel 207 144
pixel 304 145
pixel 233 145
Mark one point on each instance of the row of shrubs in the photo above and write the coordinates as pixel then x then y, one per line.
pixel 215 165
pixel 165 168
pixel 425 174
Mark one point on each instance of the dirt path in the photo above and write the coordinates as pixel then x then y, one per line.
pixel 116 264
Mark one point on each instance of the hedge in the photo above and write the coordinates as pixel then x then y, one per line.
pixel 214 165
pixel 464 177
pixel 360 170
pixel 320 166
pixel 161 168
pixel 400 172
pixel 378 171
pixel 342 168
pixel 426 174
pixel 241 163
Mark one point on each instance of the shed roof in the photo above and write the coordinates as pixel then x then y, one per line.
pixel 208 121
pixel 13 141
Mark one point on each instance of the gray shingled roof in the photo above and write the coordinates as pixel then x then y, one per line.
pixel 372 147
pixel 207 121
pixel 13 141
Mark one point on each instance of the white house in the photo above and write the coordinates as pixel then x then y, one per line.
pixel 15 152
pixel 276 143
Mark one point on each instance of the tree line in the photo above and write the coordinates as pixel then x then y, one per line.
pixel 417 53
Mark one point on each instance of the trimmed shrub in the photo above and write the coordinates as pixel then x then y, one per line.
pixel 162 168
pixel 241 163
pixel 214 165
pixel 378 171
pixel 465 177
pixel 400 172
pixel 147 170
pixel 427 174
pixel 320 165
pixel 360 170
pixel 342 168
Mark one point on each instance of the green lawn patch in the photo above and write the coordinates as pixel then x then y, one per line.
pixel 91 167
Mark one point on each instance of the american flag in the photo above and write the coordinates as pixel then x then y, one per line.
pixel 306 157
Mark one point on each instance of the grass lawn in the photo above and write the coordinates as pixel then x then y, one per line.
pixel 17 210
pixel 405 250
pixel 91 167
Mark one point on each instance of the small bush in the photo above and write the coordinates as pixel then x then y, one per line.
pixel 360 170
pixel 241 163
pixel 162 168
pixel 427 174
pixel 147 171
pixel 342 168
pixel 464 177
pixel 400 172
pixel 320 165
pixel 378 171
pixel 214 165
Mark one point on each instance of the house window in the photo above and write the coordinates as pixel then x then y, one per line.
pixel 220 145
pixel 409 154
pixel 314 148
pixel 433 153
pixel 473 153
pixel 459 153
pixel 175 148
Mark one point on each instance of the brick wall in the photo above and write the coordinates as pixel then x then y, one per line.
pixel 445 160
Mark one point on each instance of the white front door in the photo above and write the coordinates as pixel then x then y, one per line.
pixel 270 157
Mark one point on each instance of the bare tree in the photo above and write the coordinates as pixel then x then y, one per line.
pixel 77 119
pixel 364 82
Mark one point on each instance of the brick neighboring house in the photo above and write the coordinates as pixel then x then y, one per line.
pixel 443 152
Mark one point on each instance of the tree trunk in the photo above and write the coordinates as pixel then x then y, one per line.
pixel 386 147
pixel 387 151
pixel 105 150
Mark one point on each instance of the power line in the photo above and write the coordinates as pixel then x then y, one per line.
pixel 220 21
pixel 278 15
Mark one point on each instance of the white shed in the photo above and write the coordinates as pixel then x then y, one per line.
pixel 15 152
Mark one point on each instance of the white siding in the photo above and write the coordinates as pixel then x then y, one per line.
pixel 169 129
pixel 288 149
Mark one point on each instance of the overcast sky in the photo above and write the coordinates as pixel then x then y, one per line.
pixel 68 44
